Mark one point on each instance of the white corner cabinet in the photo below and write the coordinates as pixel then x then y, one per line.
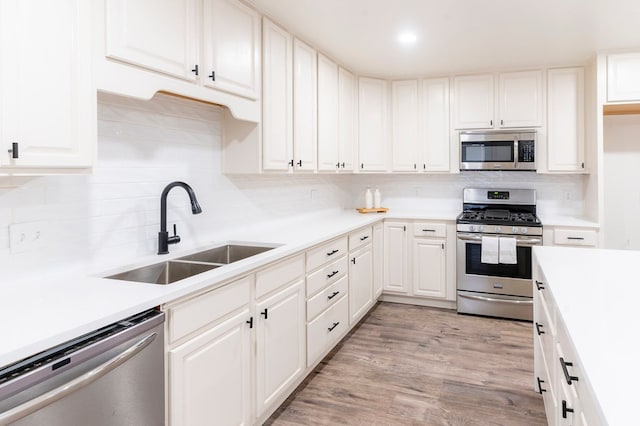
pixel 623 77
pixel 60 97
pixel 565 117
pixel 201 49
pixel 420 125
pixel 419 263
pixel 520 100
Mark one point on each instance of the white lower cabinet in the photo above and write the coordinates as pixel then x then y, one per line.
pixel 360 283
pixel 209 357
pixel 429 268
pixel 378 259
pixel 280 343
pixel 395 257
pixel 325 330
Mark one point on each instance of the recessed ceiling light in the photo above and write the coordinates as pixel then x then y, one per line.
pixel 407 38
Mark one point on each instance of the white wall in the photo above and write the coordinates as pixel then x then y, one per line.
pixel 111 217
pixel 621 226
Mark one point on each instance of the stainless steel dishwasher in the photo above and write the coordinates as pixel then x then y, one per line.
pixel 112 376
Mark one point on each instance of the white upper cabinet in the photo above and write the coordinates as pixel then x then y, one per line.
pixel 166 41
pixel 520 102
pixel 565 110
pixel 305 118
pixel 231 61
pixel 47 97
pixel 328 115
pixel 347 119
pixel 434 121
pixel 372 124
pixel 519 95
pixel 277 100
pixel 623 77
pixel 473 101
pixel 405 125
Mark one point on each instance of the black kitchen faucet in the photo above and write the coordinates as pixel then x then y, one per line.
pixel 163 236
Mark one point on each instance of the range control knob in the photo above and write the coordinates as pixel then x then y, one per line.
pixel 515 229
pixel 524 230
pixel 498 229
pixel 481 228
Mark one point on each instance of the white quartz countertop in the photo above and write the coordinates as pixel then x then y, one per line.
pixel 597 293
pixel 48 311
pixel 565 220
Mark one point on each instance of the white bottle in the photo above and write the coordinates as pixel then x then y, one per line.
pixel 368 199
pixel 377 199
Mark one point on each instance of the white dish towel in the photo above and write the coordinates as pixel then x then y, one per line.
pixel 508 253
pixel 489 250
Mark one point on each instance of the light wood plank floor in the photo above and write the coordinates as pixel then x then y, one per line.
pixel 411 365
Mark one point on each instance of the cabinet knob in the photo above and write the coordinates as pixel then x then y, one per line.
pixel 501 122
pixel 540 382
pixel 490 122
pixel 569 378
pixel 565 409
pixel 212 76
pixel 539 285
pixel 195 70
pixel 265 313
pixel 299 163
pixel 338 165
pixel 291 163
pixel 250 322
pixel 335 293
pixel 539 328
pixel 15 153
pixel 335 324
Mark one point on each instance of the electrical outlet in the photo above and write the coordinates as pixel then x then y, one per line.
pixel 26 236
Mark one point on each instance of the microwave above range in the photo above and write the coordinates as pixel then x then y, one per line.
pixel 498 150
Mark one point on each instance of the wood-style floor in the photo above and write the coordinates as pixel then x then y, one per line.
pixel 411 365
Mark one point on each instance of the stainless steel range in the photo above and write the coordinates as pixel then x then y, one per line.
pixel 495 233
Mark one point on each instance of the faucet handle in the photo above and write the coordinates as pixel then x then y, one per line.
pixel 175 238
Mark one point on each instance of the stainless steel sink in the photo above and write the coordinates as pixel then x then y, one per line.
pixel 224 255
pixel 164 272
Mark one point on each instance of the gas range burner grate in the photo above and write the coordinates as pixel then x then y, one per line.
pixel 496 214
pixel 523 217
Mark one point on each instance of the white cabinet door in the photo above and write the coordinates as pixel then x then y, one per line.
pixel 210 376
pixel 520 103
pixel 372 124
pixel 565 109
pixel 277 110
pixel 231 46
pixel 473 102
pixel 434 121
pixel 305 124
pixel 378 259
pixel 161 35
pixel 404 119
pixel 328 133
pixel 281 343
pixel 623 77
pixel 360 283
pixel 347 119
pixel 429 268
pixel 47 97
pixel 395 258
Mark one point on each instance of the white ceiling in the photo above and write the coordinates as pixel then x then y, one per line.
pixel 457 36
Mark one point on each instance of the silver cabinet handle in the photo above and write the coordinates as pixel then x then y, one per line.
pixel 72 386
pixel 491 299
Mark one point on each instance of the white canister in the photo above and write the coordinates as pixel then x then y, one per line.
pixel 377 202
pixel 368 199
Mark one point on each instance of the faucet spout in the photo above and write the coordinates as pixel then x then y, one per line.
pixel 163 236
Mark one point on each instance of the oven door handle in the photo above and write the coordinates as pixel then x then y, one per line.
pixel 519 241
pixel 492 299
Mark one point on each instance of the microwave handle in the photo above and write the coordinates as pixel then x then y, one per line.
pixel 516 152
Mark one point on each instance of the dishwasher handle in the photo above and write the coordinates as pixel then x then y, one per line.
pixel 79 382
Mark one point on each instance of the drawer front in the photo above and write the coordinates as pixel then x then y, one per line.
pixel 325 253
pixel 360 238
pixel 427 229
pixel 275 276
pixel 327 297
pixel 198 312
pixel 575 237
pixel 327 275
pixel 327 329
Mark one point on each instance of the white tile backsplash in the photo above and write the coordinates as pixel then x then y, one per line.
pixel 111 216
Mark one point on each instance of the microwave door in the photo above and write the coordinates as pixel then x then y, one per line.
pixel 488 155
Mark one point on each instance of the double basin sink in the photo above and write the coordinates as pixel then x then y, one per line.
pixel 170 271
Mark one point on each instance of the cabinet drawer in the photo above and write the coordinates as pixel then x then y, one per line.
pixel 327 275
pixel 359 238
pixel 191 315
pixel 278 275
pixel 327 297
pixel 325 330
pixel 320 255
pixel 575 237
pixel 426 229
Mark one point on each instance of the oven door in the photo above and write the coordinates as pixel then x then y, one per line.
pixel 508 279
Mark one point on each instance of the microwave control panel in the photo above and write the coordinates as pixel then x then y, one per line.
pixel 526 151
